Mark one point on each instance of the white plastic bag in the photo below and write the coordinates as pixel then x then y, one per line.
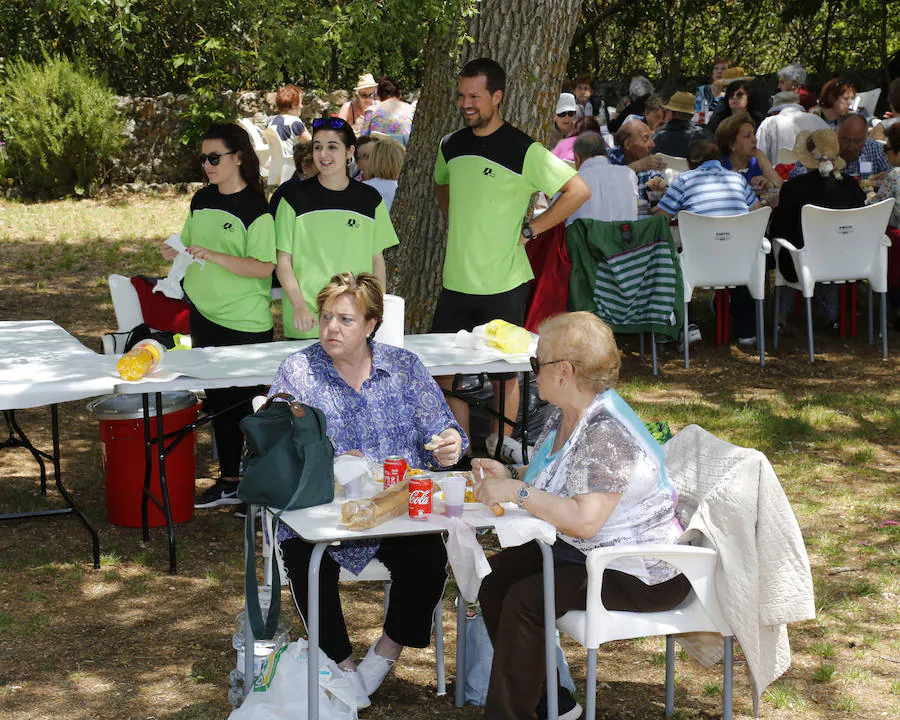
pixel 280 692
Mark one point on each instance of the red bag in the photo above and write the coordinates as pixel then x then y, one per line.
pixel 552 267
pixel 161 312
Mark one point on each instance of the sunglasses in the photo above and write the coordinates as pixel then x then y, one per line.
pixel 214 158
pixel 366 96
pixel 536 365
pixel 335 123
pixel 567 113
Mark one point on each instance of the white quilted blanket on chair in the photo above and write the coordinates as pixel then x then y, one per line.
pixel 731 497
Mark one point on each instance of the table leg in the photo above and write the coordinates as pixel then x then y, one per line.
pixel 312 630
pixel 501 418
pixel 17 438
pixel 549 630
pixel 164 488
pixel 148 467
pixel 249 640
pixel 460 699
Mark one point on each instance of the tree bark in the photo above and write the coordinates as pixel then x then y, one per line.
pixel 531 40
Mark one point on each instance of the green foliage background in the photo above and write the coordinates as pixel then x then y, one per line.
pixel 61 127
pixel 154 46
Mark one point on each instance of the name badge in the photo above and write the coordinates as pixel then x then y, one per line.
pixel 865 167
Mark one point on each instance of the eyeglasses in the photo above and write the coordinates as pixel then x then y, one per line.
pixel 536 365
pixel 366 96
pixel 214 158
pixel 335 123
pixel 567 113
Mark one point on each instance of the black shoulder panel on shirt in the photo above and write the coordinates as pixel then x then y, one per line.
pixel 505 146
pixel 245 205
pixel 310 196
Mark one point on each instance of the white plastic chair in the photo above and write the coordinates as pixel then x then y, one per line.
pixel 259 145
pixel 724 252
pixel 674 166
pixel 281 166
pixel 699 612
pixel 127 307
pixel 866 101
pixel 785 156
pixel 840 246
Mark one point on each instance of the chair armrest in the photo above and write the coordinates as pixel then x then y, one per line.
pixel 765 246
pixel 786 245
pixel 687 558
pixel 886 241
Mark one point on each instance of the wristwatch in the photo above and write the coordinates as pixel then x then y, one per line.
pixel 527 232
pixel 523 494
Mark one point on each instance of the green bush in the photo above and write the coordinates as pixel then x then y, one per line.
pixel 61 128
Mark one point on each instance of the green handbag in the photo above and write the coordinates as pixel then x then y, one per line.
pixel 289 464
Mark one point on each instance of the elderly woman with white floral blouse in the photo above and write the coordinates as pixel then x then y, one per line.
pixel 597 475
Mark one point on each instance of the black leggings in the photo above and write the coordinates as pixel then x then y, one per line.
pixel 418 566
pixel 229 439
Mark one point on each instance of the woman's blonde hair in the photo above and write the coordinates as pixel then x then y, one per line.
pixel 363 287
pixel 588 344
pixel 385 159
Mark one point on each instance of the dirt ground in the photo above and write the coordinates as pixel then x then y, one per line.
pixel 132 641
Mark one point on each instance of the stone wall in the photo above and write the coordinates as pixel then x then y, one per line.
pixel 153 155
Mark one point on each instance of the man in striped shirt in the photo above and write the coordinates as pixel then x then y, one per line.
pixel 709 189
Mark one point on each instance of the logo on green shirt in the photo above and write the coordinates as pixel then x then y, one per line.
pixel 352 223
pixel 228 227
pixel 488 172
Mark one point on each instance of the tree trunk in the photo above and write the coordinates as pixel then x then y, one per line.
pixel 531 40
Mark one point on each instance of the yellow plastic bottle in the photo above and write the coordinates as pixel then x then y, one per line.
pixel 507 337
pixel 143 358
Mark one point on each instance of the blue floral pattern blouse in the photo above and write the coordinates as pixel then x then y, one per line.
pixel 398 409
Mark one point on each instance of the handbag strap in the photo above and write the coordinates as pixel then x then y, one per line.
pixel 262 630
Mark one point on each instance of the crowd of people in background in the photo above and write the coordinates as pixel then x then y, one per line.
pixel 742 148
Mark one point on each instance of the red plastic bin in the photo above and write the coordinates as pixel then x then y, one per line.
pixel 122 441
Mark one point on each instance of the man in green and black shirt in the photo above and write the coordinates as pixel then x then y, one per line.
pixel 484 178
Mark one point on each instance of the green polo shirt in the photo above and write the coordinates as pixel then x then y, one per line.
pixel 328 232
pixel 238 224
pixel 491 181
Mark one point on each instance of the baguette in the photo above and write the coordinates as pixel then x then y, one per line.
pixel 369 512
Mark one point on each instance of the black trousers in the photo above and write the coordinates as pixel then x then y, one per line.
pixel 229 439
pixel 418 566
pixel 512 603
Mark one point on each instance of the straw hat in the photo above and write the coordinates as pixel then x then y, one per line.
pixel 736 72
pixel 681 102
pixel 820 150
pixel 365 81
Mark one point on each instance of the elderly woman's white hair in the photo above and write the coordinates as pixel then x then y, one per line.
pixel 588 344
pixel 640 87
pixel 794 72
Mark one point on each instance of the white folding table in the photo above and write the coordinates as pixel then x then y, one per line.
pixel 41 364
pixel 249 365
pixel 320 526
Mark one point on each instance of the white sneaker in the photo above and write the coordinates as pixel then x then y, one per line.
pixel 374 669
pixel 491 443
pixel 359 687
pixel 747 341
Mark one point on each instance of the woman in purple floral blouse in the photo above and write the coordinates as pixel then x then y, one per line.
pixel 379 400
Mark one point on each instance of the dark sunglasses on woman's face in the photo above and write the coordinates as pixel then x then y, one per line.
pixel 567 113
pixel 366 96
pixel 335 123
pixel 214 158
pixel 536 364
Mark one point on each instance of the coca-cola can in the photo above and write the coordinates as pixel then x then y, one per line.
pixel 421 491
pixel 394 470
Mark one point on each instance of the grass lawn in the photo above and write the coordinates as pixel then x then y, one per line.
pixel 131 641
